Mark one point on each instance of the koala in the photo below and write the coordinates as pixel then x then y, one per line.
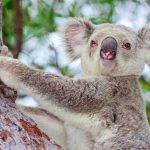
pixel 101 110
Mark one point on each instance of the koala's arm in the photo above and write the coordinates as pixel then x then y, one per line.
pixel 61 95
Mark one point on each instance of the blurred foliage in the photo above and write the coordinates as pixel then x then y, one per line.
pixel 106 14
pixel 8 21
pixel 145 84
pixel 65 70
pixel 40 18
pixel 148 110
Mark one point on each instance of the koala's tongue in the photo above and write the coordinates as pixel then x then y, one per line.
pixel 108 63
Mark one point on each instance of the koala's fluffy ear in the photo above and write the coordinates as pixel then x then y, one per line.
pixel 144 34
pixel 76 32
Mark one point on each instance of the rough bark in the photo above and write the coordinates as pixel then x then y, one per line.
pixel 17 131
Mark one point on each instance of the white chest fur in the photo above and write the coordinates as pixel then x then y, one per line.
pixel 78 139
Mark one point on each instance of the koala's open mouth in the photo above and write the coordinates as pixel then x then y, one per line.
pixel 109 55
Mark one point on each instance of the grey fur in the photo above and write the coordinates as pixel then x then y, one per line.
pixel 104 109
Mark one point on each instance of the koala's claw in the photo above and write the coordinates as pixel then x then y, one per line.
pixel 5 52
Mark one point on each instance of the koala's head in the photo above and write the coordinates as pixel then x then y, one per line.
pixel 107 49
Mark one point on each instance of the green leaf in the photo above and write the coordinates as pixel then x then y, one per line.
pixel 145 84
pixel 64 70
pixel 148 110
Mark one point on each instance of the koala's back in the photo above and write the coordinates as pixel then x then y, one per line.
pixel 122 120
pixel 133 140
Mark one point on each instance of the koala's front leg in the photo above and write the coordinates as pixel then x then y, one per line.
pixel 67 98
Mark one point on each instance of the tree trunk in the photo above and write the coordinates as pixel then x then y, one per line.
pixel 17 131
pixel 18 28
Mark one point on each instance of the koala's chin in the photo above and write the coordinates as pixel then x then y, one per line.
pixel 107 66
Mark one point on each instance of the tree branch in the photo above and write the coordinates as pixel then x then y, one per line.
pixel 18 131
pixel 18 28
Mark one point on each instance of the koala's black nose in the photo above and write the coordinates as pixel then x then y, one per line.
pixel 108 48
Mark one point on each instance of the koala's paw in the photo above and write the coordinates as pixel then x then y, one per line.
pixel 5 52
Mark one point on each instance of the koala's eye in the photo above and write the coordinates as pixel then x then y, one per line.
pixel 126 45
pixel 93 43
